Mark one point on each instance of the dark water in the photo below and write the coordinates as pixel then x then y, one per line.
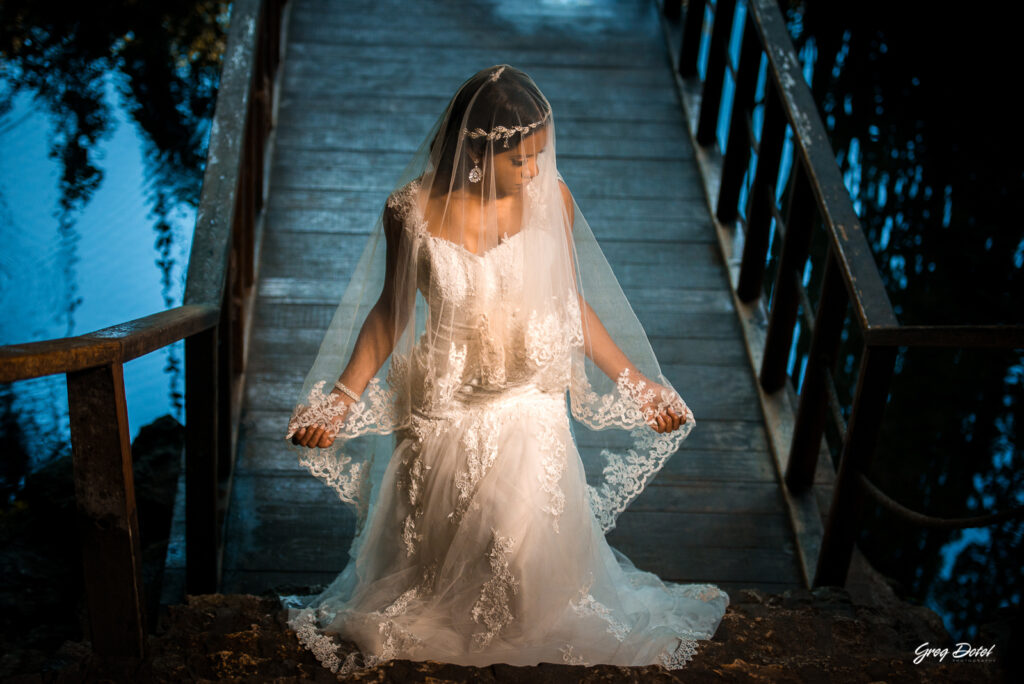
pixel 917 104
pixel 105 110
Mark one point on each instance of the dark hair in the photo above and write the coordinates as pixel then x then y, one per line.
pixel 512 99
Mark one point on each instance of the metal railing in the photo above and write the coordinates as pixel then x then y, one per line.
pixel 815 192
pixel 212 321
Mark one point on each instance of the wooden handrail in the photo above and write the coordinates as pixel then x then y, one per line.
pixel 949 336
pixel 849 274
pixel 813 150
pixel 213 322
pixel 116 344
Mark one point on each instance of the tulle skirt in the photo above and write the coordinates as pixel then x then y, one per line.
pixel 481 548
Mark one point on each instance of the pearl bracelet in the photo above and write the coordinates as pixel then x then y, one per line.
pixel 346 390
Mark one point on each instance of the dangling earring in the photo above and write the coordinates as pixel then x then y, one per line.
pixel 475 174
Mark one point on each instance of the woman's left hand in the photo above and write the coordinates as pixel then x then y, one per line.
pixel 668 418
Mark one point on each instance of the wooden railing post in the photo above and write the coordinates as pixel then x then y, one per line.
pixel 228 337
pixel 202 443
pixel 737 152
pixel 785 295
pixel 689 50
pixel 762 197
pixel 711 99
pixel 108 523
pixel 876 367
pixel 672 9
pixel 821 358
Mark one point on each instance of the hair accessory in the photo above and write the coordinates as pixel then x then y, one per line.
pixel 475 174
pixel 497 73
pixel 346 390
pixel 504 132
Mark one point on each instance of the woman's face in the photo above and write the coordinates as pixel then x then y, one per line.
pixel 515 167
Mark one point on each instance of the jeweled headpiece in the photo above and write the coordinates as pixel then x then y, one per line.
pixel 505 132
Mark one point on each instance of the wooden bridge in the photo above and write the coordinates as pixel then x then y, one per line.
pixel 320 106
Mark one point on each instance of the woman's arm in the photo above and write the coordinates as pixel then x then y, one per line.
pixel 376 338
pixel 599 345
pixel 375 342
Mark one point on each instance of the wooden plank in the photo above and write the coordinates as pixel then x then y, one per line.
pixel 404 84
pixel 279 524
pixel 566 38
pixel 664 549
pixel 748 498
pixel 259 581
pixel 570 105
pixel 609 178
pixel 365 55
pixel 756 534
pixel 624 76
pixel 525 12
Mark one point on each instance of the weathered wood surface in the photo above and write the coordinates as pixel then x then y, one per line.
pixel 362 85
pixel 118 343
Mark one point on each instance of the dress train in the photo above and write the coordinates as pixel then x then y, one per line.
pixel 482 548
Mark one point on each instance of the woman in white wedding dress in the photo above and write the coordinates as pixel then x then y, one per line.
pixel 480 304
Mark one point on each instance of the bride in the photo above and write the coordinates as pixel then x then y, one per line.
pixel 438 411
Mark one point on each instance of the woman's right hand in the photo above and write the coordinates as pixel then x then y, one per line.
pixel 322 436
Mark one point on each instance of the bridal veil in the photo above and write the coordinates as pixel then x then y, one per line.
pixel 484 177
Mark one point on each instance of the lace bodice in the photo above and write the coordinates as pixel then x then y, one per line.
pixel 479 338
pixel 498 326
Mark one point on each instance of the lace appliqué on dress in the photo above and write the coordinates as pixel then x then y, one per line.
pixel 625 475
pixel 553 461
pixel 494 607
pixel 395 638
pixel 374 413
pixel 586 605
pixel 438 391
pixel 552 339
pixel 700 592
pixel 680 655
pixel 480 438
pixel 410 481
pixel 570 657
pixel 481 443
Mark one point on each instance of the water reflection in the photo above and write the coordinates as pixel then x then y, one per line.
pixel 932 160
pixel 105 110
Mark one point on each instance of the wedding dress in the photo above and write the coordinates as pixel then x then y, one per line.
pixel 481 541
